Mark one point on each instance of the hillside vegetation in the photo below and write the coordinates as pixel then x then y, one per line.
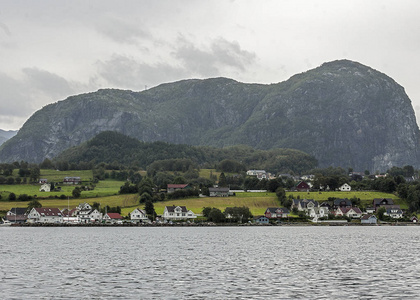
pixel 115 148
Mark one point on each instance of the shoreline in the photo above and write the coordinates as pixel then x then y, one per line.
pixel 209 224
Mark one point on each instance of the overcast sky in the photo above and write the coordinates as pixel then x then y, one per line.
pixel 50 50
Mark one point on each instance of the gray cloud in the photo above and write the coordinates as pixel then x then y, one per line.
pixel 47 82
pixel 20 97
pixel 15 99
pixel 122 31
pixel 211 61
pixel 126 72
pixel 5 29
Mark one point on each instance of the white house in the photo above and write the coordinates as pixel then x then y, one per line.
pixel 394 212
pixel 369 219
pixel 45 215
pixel 46 187
pixel 260 174
pixel 88 216
pixel 219 192
pixel 354 213
pixel 345 188
pixel 139 215
pixel 177 213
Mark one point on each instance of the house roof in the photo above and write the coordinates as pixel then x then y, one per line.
pixel 304 203
pixel 66 212
pixel 18 210
pixel 177 186
pixel 344 210
pixel 139 209
pixel 114 215
pixel 367 217
pixel 302 185
pixel 394 210
pixel 338 202
pixel 272 209
pixel 47 211
pixel 379 201
pixel 356 210
pixel 172 208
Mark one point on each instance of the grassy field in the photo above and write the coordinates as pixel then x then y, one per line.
pixel 102 189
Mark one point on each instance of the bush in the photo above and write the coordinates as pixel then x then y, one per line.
pixel 24 197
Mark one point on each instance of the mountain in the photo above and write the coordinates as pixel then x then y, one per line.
pixel 5 135
pixel 117 149
pixel 343 113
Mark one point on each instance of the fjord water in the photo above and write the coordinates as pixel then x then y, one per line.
pixel 210 263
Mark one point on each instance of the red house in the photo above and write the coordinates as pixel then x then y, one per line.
pixel 302 187
pixel 113 217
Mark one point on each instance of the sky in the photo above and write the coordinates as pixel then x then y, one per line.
pixel 50 49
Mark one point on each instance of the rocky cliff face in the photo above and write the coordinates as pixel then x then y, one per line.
pixel 5 135
pixel 343 113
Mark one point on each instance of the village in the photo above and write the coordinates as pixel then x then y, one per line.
pixel 335 212
pixel 295 210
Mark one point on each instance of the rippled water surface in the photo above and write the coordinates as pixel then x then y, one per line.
pixel 210 263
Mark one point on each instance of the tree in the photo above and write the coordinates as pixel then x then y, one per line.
pixel 96 205
pixel 34 204
pixel 35 174
pixel 24 197
pixel 251 183
pixel 408 171
pixel 145 197
pixel 238 214
pixel 12 197
pixel 76 192
pixel 206 211
pixel 273 184
pixel 281 195
pixel 216 216
pixel 381 212
pixel 146 186
pixel 222 180
pixel 150 210
pixel 46 164
pixel 228 165
pixel 10 180
pixel 179 180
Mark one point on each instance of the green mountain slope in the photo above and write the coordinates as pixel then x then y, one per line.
pixel 343 113
pixel 115 148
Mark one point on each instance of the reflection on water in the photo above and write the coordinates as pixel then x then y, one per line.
pixel 210 263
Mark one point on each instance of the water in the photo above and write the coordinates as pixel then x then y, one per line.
pixel 210 263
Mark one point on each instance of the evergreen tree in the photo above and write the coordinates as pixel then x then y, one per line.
pixel 222 180
pixel 150 210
